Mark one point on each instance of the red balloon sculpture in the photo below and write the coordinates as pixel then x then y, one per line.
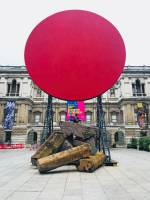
pixel 75 55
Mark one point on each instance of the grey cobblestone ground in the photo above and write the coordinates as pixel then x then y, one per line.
pixel 130 180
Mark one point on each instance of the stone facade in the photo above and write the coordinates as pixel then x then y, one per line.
pixel 120 104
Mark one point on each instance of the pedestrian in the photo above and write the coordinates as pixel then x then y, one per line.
pixel 76 119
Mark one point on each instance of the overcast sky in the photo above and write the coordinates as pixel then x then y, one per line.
pixel 19 17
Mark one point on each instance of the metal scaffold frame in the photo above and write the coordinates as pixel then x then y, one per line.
pixel 101 141
pixel 48 121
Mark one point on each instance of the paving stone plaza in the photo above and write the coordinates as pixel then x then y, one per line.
pixel 130 180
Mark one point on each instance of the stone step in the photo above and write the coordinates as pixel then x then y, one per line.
pixel 19 139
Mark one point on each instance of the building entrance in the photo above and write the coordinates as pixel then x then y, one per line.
pixel 32 137
pixel 8 137
pixel 119 138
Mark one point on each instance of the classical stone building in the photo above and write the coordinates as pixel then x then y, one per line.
pixel 121 104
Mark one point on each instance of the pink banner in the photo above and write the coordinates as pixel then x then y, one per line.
pixel 81 113
pixel 11 146
pixel 73 108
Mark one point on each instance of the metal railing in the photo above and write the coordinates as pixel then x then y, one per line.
pixel 138 94
pixel 12 94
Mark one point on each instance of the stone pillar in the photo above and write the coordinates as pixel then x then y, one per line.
pixel 129 114
pixel 26 114
pixel 3 87
pixel 94 113
pixel 22 117
pixel 18 113
pixel 1 112
pixel 57 115
pixel 26 87
pixel 147 87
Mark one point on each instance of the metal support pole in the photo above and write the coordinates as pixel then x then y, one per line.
pixel 102 134
pixel 48 121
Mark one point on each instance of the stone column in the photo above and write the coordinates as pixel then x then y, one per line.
pixel 22 114
pixel 129 114
pixel 57 115
pixel 1 112
pixel 94 113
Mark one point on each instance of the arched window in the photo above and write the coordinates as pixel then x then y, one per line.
pixel 119 138
pixel 32 137
pixel 88 117
pixel 112 92
pixel 62 116
pixel 39 92
pixel 116 138
pixel 13 88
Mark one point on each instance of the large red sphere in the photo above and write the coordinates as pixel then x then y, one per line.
pixel 75 55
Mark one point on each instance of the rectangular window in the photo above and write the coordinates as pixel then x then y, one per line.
pixel 143 89
pixel 63 117
pixel 114 117
pixel 8 89
pixel 18 88
pixel 37 119
pixel 134 89
pixel 138 88
pixel 88 118
pixel 112 92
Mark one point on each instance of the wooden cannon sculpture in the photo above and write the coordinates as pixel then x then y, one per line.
pixel 73 144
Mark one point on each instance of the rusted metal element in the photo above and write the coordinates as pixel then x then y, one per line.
pixel 50 146
pixel 91 163
pixel 79 131
pixel 62 158
pixel 77 134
